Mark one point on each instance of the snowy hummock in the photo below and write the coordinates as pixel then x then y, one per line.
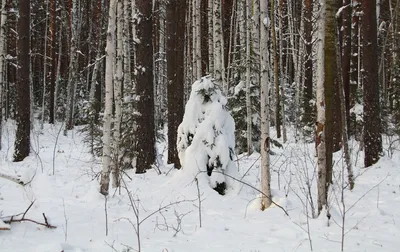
pixel 206 135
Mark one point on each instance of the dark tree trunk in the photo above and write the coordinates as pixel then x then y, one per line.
pixel 145 88
pixel 227 6
pixel 346 53
pixel 330 86
pixel 354 63
pixel 53 70
pixel 372 127
pixel 204 37
pixel 22 138
pixel 175 71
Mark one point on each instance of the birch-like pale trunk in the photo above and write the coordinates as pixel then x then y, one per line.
pixel 248 81
pixel 117 94
pixel 320 131
pixel 218 44
pixel 255 38
pixel 265 139
pixel 110 55
pixel 3 54
pixel 232 39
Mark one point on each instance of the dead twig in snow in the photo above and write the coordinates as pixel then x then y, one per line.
pixel 14 218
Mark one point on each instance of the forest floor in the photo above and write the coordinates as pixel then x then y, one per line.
pixel 167 202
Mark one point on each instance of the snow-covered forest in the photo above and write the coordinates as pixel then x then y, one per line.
pixel 199 125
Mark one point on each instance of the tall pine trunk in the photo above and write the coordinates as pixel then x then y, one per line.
pixel 372 119
pixel 23 113
pixel 145 87
pixel 175 71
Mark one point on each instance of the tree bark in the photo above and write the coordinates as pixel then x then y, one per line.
pixel 22 138
pixel 145 88
pixel 321 107
pixel 110 55
pixel 264 98
pixel 53 39
pixel 372 119
pixel 176 12
pixel 308 76
pixel 3 54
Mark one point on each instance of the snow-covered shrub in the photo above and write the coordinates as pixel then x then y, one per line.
pixel 206 139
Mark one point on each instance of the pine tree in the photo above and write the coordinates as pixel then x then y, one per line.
pixel 23 115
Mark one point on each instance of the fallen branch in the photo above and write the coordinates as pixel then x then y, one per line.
pixel 14 218
pixel 11 178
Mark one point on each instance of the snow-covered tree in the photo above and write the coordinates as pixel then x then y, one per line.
pixel 206 138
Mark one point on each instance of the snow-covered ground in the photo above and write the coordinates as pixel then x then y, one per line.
pixel 233 222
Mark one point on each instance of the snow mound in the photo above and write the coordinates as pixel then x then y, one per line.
pixel 206 139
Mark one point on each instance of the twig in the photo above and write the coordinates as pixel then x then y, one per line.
pixel 106 215
pixel 198 196
pixel 13 219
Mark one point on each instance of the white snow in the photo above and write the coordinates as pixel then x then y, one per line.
pixel 232 222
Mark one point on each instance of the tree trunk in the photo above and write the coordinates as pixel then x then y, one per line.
pixel 176 11
pixel 73 71
pixel 22 137
pixel 308 80
pixel 53 39
pixel 110 55
pixel 210 36
pixel 249 111
pixel 145 88
pixel 276 72
pixel 372 120
pixel 321 107
pixel 3 54
pixel 218 45
pixel 346 58
pixel 265 138
pixel 204 37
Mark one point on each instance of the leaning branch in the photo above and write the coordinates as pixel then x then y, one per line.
pixel 13 179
